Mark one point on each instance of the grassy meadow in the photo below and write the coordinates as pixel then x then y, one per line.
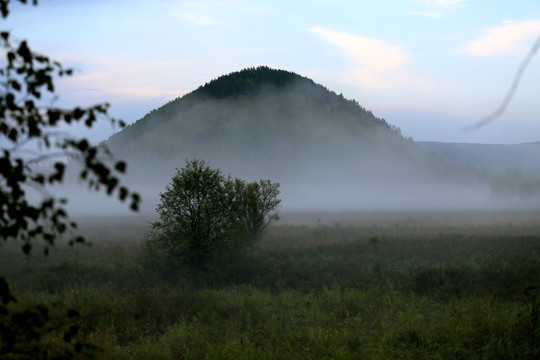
pixel 384 285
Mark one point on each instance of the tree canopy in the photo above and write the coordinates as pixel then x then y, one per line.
pixel 203 213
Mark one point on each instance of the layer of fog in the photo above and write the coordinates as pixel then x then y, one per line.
pixel 298 198
pixel 325 159
pixel 308 189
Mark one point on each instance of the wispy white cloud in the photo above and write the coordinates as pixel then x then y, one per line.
pixel 210 12
pixel 509 38
pixel 196 18
pixel 371 52
pixel 435 9
pixel 376 63
pixel 200 13
pixel 114 78
pixel 429 14
pixel 444 3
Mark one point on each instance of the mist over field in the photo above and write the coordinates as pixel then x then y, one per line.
pixel 264 214
pixel 327 152
pixel 312 195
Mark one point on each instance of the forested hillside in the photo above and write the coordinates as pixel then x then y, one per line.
pixel 324 149
pixel 261 81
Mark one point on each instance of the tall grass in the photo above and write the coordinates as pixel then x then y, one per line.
pixel 326 291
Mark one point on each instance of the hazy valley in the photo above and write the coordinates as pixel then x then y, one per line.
pixel 261 213
pixel 386 247
pixel 327 152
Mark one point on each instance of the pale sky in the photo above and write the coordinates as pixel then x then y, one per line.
pixel 430 67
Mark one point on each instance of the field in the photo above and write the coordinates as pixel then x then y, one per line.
pixel 365 285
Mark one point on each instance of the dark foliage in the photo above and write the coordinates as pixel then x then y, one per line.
pixel 26 77
pixel 203 214
pixel 26 123
pixel 249 81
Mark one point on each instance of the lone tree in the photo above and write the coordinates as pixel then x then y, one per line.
pixel 204 213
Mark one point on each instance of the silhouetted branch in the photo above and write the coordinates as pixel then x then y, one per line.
pixel 515 84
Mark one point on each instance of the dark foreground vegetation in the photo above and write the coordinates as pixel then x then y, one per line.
pixel 466 290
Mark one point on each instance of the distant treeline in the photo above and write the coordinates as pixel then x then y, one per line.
pixel 515 185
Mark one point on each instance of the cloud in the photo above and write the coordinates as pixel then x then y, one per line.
pixel 440 7
pixel 377 63
pixel 370 52
pixel 200 13
pixel 195 17
pixel 444 3
pixel 509 38
pixel 211 12
pixel 429 14
pixel 113 78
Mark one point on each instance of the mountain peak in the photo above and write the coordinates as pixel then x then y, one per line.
pixel 248 81
pixel 252 82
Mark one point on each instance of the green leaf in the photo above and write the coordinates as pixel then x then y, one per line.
pixel 123 193
pixel 120 166
pixel 26 249
pixel 5 293
pixel 83 145
pixel 72 313
pixel 15 85
pixel 25 52
pixel 72 331
pixel 78 113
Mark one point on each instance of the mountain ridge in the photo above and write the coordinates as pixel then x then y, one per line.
pixel 269 112
pixel 323 148
pixel 250 81
pixel 524 157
